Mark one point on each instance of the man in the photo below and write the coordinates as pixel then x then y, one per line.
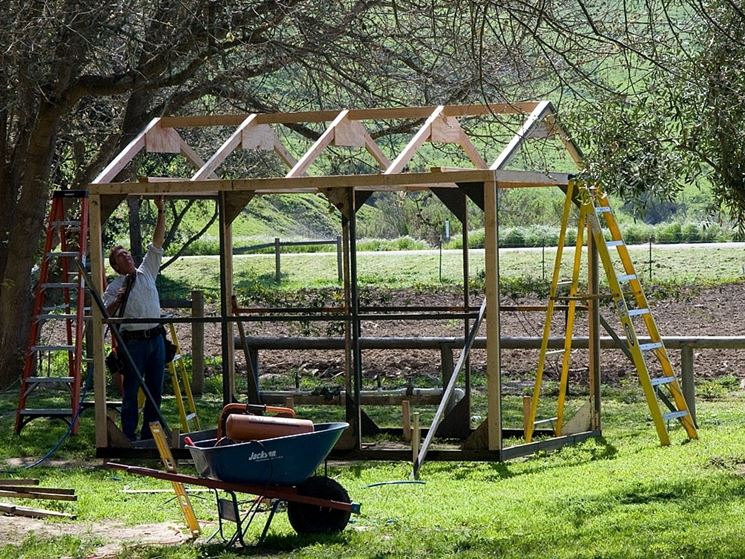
pixel 135 289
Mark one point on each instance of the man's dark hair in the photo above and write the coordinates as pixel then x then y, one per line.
pixel 112 260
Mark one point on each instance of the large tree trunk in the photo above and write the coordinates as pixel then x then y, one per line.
pixel 21 250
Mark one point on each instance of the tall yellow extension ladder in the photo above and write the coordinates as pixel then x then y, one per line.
pixel 660 385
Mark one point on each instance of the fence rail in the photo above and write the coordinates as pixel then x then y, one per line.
pixel 446 345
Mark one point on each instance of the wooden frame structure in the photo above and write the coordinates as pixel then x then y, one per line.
pixel 479 181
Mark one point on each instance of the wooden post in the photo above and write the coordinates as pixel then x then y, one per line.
pixel 197 342
pixel 416 436
pixel 339 265
pixel 99 369
pixel 226 294
pixel 491 260
pixel 406 419
pixel 290 402
pixel 446 363
pixel 277 267
pixel 686 373
pixel 526 414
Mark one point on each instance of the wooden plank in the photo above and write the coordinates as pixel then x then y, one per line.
pixel 226 149
pixel 354 114
pixel 24 487
pixel 193 156
pixel 97 329
pixel 160 139
pixel 324 140
pixel 423 134
pixel 284 154
pixel 32 513
pixel 539 113
pixel 350 133
pixel 37 495
pixel 572 148
pixel 493 372
pixel 259 137
pixel 400 181
pixel 26 482
pixel 125 156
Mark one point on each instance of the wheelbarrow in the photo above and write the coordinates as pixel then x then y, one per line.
pixel 276 470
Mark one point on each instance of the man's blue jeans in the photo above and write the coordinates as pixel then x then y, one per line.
pixel 149 355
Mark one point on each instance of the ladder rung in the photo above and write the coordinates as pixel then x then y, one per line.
pixel 547 420
pixel 59 285
pixel 65 223
pixel 627 277
pixel 638 312
pixel 56 316
pixel 650 346
pixel 46 412
pixel 614 243
pixel 49 380
pixel 63 254
pixel 602 209
pixel 662 380
pixel 674 415
pixel 53 348
pixel 554 352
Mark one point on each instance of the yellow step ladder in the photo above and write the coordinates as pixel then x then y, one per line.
pixel 633 310
pixel 177 370
pixel 170 464
pixel 181 388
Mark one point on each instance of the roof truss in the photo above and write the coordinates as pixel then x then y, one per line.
pixel 346 128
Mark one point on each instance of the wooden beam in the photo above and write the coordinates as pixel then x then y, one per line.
pixel 193 156
pixel 354 114
pixel 539 113
pixel 99 369
pixel 493 372
pixel 226 149
pixel 423 134
pixel 572 148
pixel 401 181
pixel 324 140
pixel 125 156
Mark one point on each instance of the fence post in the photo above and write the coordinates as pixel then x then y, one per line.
pixel 338 258
pixel 197 343
pixel 277 270
pixel 686 373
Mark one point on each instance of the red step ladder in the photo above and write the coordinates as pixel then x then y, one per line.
pixel 59 297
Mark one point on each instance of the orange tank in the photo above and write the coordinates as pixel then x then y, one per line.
pixel 239 427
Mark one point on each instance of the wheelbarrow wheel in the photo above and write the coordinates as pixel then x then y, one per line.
pixel 312 519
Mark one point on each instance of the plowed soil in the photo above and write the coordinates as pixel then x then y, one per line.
pixel 691 312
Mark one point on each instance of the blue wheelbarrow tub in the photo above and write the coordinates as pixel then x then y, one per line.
pixel 288 460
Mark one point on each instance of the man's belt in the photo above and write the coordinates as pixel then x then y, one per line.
pixel 142 334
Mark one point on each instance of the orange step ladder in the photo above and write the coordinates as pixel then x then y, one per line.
pixel 59 298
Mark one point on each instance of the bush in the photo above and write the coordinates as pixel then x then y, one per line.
pixel 690 233
pixel 637 233
pixel 669 233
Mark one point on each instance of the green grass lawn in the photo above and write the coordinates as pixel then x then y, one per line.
pixel 622 496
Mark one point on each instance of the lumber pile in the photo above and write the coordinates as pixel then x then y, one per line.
pixel 29 489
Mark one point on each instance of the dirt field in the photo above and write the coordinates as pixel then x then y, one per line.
pixel 718 311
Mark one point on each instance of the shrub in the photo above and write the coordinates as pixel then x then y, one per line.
pixel 669 233
pixel 690 233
